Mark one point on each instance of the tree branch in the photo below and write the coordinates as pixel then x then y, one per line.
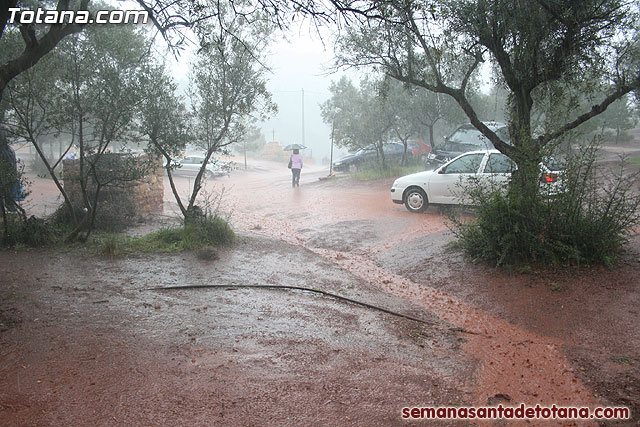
pixel 595 110
pixel 36 49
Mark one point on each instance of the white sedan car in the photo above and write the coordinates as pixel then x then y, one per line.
pixel 190 166
pixel 443 185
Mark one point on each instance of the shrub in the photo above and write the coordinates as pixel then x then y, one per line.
pixel 32 232
pixel 199 235
pixel 214 230
pixel 115 213
pixel 588 222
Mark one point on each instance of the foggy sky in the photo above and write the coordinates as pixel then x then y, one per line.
pixel 300 62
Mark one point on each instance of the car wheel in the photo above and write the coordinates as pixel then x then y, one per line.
pixel 415 200
pixel 208 174
pixel 353 168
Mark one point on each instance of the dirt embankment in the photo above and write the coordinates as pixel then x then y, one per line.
pixel 84 341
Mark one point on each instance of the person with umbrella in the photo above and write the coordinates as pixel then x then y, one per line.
pixel 295 163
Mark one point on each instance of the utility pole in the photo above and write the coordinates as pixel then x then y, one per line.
pixel 245 153
pixel 333 123
pixel 303 116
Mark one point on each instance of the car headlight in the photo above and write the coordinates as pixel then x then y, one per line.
pixel 431 156
pixel 337 163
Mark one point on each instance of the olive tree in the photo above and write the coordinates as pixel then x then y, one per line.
pixel 101 91
pixel 173 20
pixel 360 116
pixel 227 90
pixel 37 40
pixel 33 110
pixel 87 93
pixel 164 121
pixel 535 45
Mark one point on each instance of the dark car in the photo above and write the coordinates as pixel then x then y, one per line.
pixel 417 148
pixel 464 139
pixel 392 152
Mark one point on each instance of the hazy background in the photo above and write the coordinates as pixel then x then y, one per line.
pixel 301 62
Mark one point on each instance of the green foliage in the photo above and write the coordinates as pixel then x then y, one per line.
pixel 32 232
pixel 360 117
pixel 197 235
pixel 10 179
pixel 41 170
pixel 588 222
pixel 372 172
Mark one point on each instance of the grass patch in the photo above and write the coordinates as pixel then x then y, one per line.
pixel 198 235
pixel 376 172
pixel 624 360
pixel 634 161
pixel 31 232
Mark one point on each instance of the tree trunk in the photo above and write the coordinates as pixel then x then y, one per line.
pixel 5 221
pixel 380 150
pixel 431 141
pixel 52 172
pixel 404 154
pixel 524 181
pixel 174 190
pixel 94 211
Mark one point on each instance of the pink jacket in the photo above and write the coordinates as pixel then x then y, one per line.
pixel 296 161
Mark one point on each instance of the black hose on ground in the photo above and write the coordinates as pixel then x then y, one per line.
pixel 300 288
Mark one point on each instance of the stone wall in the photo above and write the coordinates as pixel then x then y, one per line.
pixel 133 187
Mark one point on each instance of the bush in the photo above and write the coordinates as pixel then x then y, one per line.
pixel 196 235
pixel 115 213
pixel 32 232
pixel 588 222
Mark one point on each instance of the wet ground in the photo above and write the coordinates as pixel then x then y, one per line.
pixel 84 340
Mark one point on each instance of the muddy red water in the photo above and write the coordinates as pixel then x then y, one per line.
pixel 85 342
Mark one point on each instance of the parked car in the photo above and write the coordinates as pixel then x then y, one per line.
pixel 392 151
pixel 442 185
pixel 190 165
pixel 464 139
pixel 417 148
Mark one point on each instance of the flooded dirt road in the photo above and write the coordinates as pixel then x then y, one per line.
pixel 85 341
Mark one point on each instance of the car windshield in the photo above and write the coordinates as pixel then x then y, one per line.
pixel 465 164
pixel 365 150
pixel 499 163
pixel 468 137
pixel 393 148
pixel 552 164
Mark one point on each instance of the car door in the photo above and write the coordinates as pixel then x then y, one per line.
pixel 184 167
pixel 497 171
pixel 192 165
pixel 447 185
pixel 365 155
pixel 393 152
